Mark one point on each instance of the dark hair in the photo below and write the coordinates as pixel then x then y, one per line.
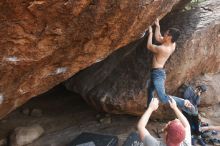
pixel 202 88
pixel 175 33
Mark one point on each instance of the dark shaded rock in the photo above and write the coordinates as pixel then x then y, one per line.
pixel 36 113
pixel 116 79
pixel 25 111
pixel 105 120
pixel 98 116
pixel 118 83
pixel 45 42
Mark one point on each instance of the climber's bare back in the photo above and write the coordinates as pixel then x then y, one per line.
pixel 164 52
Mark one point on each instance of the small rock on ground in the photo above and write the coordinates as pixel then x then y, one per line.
pixel 25 135
pixel 36 113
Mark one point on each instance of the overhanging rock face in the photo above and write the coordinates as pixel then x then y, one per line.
pixel 45 42
pixel 118 83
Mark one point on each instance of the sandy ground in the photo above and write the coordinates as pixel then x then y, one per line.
pixel 65 115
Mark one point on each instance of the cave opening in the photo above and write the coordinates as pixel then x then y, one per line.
pixel 54 110
pixel 64 115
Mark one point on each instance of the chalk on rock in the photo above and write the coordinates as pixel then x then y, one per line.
pixel 25 135
pixel 1 98
pixel 61 70
pixel 12 59
pixel 143 33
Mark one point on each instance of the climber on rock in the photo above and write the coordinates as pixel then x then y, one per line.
pixel 160 55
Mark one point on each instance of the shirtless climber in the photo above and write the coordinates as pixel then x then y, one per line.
pixel 160 55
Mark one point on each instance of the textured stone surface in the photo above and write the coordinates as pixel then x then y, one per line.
pixel 45 42
pixel 118 84
pixel 25 135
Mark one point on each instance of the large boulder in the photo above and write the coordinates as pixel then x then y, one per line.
pixel 118 83
pixel 46 42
